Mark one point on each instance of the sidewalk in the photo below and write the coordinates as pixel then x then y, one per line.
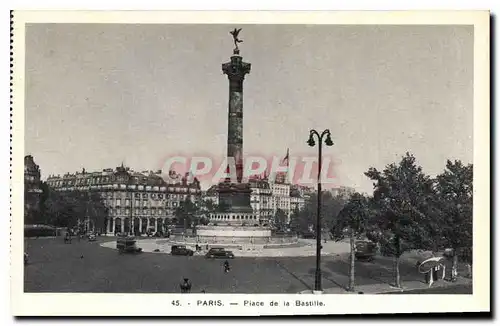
pixel 381 288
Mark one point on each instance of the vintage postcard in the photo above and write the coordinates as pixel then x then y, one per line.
pixel 250 163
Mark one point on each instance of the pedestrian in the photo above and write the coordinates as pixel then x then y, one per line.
pixel 185 286
pixel 436 270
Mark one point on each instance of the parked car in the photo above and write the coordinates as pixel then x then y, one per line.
pixel 365 250
pixel 181 251
pixel 92 237
pixel 219 253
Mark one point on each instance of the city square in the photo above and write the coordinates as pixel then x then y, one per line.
pixel 89 267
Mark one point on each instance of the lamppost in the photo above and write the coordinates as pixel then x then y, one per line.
pixel 311 142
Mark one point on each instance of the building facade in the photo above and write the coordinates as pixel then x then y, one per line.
pixel 261 199
pixel 32 190
pixel 342 191
pixel 297 198
pixel 137 202
pixel 281 197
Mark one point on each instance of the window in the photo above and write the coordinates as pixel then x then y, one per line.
pixel 137 195
pixel 127 211
pixel 145 196
pixel 118 202
pixel 160 196
pixel 127 202
pixel 137 202
pixel 153 211
pixel 160 211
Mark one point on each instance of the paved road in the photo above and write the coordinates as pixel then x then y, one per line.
pixel 88 267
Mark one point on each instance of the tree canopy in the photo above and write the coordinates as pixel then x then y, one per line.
pixel 305 219
pixel 403 198
pixel 354 218
pixel 455 192
pixel 65 209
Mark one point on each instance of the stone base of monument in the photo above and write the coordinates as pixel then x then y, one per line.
pixel 238 237
pixel 234 219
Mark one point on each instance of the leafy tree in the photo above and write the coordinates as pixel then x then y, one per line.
pixel 186 213
pixel 59 211
pixel 280 219
pixel 455 194
pixel 96 210
pixel 67 209
pixel 404 198
pixel 205 209
pixel 332 206
pixel 306 217
pixel 353 218
pixel 294 219
pixel 303 219
pixel 208 206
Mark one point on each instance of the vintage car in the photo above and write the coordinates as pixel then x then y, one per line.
pixel 219 253
pixel 127 245
pixel 365 250
pixel 181 251
pixel 92 237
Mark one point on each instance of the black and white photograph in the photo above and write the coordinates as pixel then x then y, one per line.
pixel 251 168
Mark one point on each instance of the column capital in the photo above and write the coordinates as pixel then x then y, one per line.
pixel 236 69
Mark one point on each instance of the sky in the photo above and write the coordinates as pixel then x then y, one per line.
pixel 98 95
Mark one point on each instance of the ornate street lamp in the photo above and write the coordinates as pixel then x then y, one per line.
pixel 328 142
